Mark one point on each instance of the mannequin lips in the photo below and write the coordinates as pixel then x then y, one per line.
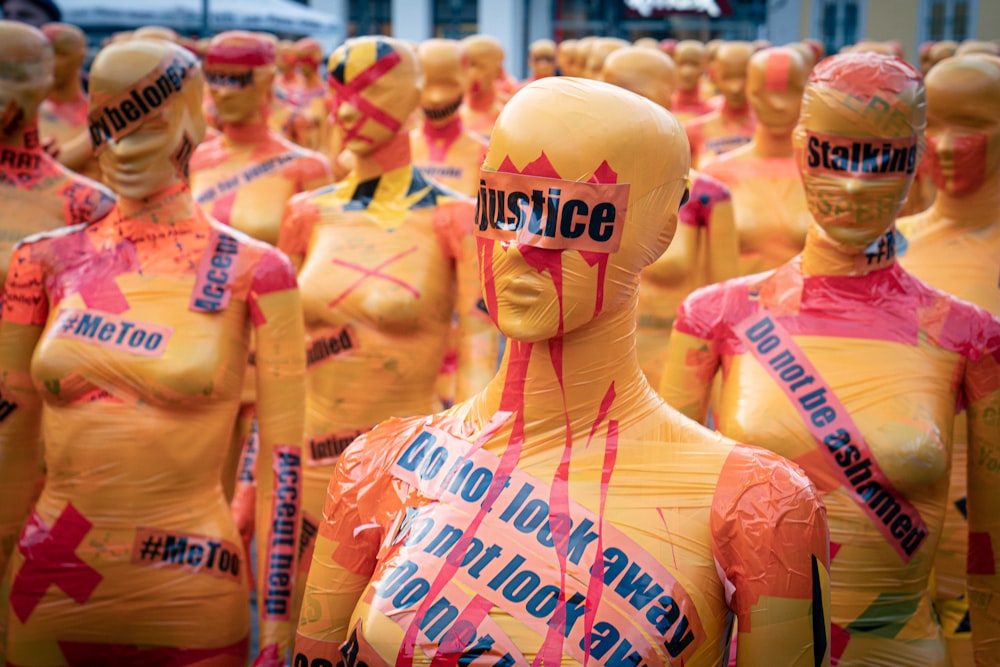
pixel 443 112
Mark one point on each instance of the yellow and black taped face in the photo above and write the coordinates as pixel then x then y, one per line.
pixel 375 81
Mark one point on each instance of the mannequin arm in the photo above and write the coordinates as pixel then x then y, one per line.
pixel 687 379
pixel 723 249
pixel 277 317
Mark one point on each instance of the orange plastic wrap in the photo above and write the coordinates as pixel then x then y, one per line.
pixel 853 368
pixel 243 178
pixel 62 116
pixel 732 123
pixel 565 514
pixel 954 246
pixel 482 101
pixel 378 285
pixel 124 352
pixel 37 193
pixel 768 199
pixel 446 152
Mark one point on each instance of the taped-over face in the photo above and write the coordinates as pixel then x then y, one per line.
pixel 25 75
pixel 858 143
pixel 775 81
pixel 239 70
pixel 375 83
pixel 145 115
pixel 963 124
pixel 562 234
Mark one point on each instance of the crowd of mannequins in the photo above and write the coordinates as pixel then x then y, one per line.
pixel 673 353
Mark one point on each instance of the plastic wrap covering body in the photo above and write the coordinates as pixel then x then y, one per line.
pixel 718 132
pixel 40 194
pixel 134 382
pixel 702 251
pixel 955 246
pixel 565 514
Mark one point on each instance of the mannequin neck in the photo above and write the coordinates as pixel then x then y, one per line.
pixel 481 101
pixel 562 381
pixel 769 142
pixel 733 112
pixel 70 91
pixel 823 256
pixel 975 210
pixel 169 206
pixel 688 96
pixel 446 130
pixel 253 131
pixel 392 155
pixel 24 137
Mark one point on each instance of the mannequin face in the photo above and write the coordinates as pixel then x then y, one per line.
pixel 542 58
pixel 25 75
pixel 445 79
pixel 144 151
pixel 565 56
pixel 775 81
pixel 856 201
pixel 690 59
pixel 485 62
pixel 70 47
pixel 963 124
pixel 239 69
pixel 609 209
pixel 729 72
pixel 376 81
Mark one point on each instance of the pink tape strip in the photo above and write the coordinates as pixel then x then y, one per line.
pixel 838 437
pixel 213 284
pixel 282 534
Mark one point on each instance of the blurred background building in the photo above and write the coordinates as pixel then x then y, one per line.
pixel 518 22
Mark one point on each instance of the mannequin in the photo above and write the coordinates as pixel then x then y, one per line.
pixel 310 124
pixel 570 428
pixel 482 105
pixel 703 249
pixel 128 364
pixel 954 246
pixel 880 458
pixel 378 283
pixel 244 178
pixel 38 193
pixel 768 198
pixel 690 56
pixel 600 49
pixel 451 155
pixel 566 56
pixel 63 114
pixel 541 59
pixel 732 124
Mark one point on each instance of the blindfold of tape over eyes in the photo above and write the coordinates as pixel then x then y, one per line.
pixel 112 117
pixel 551 213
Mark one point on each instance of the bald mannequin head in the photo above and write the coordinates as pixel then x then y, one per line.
pixel 373 110
pixel 691 58
pixel 645 72
pixel 729 72
pixel 239 69
pixel 69 46
pixel 446 78
pixel 145 115
pixel 634 142
pixel 566 57
pixel 963 123
pixel 25 76
pixel 971 46
pixel 309 54
pixel 542 58
pixel 486 56
pixel 776 78
pixel 601 48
